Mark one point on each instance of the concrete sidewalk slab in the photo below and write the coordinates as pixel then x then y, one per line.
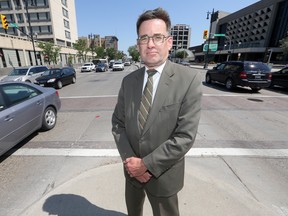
pixel 210 189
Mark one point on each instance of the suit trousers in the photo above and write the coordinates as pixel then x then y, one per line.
pixel 161 206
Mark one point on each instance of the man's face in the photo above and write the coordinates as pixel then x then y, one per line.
pixel 154 53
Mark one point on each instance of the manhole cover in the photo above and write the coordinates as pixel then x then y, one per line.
pixel 255 99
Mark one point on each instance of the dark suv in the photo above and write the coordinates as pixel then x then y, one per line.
pixel 256 75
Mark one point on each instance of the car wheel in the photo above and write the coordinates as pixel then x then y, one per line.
pixel 59 84
pixel 271 84
pixel 49 119
pixel 229 84
pixel 208 78
pixel 74 80
pixel 28 81
pixel 256 89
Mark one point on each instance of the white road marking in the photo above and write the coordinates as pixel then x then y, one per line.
pixel 205 95
pixel 194 152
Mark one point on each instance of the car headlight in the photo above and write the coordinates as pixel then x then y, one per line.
pixel 51 80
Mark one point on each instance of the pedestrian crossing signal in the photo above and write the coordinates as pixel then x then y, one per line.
pixel 4 21
pixel 205 34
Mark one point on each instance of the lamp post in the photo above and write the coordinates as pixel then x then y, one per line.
pixel 31 31
pixel 229 49
pixel 207 52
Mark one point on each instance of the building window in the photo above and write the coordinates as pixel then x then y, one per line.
pixel 64 2
pixel 65 12
pixel 66 24
pixel 67 35
pixel 5 5
pixel 45 29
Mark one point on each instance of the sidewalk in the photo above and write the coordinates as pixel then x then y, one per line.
pixel 211 189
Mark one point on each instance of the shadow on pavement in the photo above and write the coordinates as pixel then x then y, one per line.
pixel 74 205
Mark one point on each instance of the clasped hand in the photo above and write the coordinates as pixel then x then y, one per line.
pixel 137 169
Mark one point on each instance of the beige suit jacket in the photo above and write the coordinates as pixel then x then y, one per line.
pixel 170 130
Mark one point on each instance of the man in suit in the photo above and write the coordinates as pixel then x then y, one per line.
pixel 153 148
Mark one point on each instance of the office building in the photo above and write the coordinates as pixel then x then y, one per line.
pixel 181 34
pixel 50 20
pixel 253 33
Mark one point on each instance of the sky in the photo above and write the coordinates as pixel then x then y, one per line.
pixel 118 17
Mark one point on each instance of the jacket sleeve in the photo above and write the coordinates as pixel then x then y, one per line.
pixel 118 127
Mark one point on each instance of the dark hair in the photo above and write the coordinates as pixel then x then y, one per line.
pixel 157 13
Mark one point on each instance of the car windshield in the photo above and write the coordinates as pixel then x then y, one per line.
pixel 19 72
pixel 256 67
pixel 87 64
pixel 51 72
pixel 117 63
pixel 101 65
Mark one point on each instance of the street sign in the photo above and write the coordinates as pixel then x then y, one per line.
pixel 219 35
pixel 212 47
pixel 14 25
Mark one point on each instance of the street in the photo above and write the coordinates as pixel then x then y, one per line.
pixel 247 132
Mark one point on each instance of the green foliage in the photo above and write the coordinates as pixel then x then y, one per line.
pixel 284 46
pixel 50 52
pixel 111 53
pixel 70 59
pixel 133 52
pixel 100 51
pixel 81 48
pixel 181 54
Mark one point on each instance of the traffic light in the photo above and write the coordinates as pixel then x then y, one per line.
pixel 205 34
pixel 4 22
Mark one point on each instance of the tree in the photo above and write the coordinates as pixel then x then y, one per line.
pixel 70 59
pixel 284 47
pixel 50 52
pixel 100 51
pixel 133 52
pixel 81 48
pixel 181 54
pixel 111 53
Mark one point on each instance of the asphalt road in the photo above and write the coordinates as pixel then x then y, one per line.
pixel 233 124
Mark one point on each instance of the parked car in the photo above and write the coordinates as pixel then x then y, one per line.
pixel 256 75
pixel 280 78
pixel 102 67
pixel 118 65
pixel 185 63
pixel 88 67
pixel 57 77
pixel 24 109
pixel 27 74
pixel 111 63
pixel 127 63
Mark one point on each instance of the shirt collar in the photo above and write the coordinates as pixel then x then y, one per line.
pixel 159 68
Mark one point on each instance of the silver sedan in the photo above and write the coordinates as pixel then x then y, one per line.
pixel 24 109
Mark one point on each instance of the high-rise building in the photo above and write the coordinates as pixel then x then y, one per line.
pixel 181 36
pixel 50 20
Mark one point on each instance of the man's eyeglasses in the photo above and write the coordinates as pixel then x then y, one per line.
pixel 157 39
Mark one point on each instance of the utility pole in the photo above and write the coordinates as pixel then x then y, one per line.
pixel 209 38
pixel 31 31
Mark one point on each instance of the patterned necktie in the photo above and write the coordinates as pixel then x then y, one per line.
pixel 146 100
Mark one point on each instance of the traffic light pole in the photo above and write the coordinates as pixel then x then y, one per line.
pixel 209 38
pixel 31 31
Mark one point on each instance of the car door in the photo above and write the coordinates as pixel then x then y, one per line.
pixel 65 78
pixel 216 72
pixel 22 114
pixel 281 78
pixel 223 72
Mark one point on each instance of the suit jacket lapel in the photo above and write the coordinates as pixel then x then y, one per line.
pixel 161 94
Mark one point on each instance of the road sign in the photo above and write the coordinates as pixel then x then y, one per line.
pixel 219 35
pixel 212 47
pixel 14 25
